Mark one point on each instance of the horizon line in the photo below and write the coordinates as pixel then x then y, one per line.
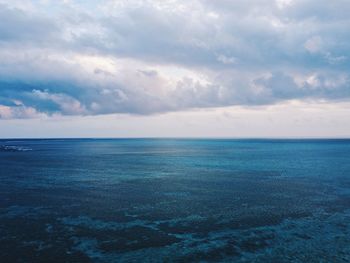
pixel 182 137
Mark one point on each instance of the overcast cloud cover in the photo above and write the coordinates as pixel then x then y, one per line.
pixel 77 57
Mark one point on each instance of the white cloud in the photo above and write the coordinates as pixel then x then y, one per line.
pixel 314 44
pixel 146 57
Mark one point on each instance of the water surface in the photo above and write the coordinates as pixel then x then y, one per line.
pixel 174 200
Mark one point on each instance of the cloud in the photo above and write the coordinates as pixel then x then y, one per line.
pixel 19 26
pixel 150 56
pixel 18 111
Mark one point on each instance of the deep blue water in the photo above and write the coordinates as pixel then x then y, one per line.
pixel 172 200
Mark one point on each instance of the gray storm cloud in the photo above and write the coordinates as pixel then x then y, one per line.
pixel 144 57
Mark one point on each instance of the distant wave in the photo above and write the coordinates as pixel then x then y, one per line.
pixel 11 148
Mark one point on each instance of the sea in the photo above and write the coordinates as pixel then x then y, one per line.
pixel 175 200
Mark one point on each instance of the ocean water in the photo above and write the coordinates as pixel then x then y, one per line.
pixel 174 200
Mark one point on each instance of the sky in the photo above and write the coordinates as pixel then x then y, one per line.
pixel 174 68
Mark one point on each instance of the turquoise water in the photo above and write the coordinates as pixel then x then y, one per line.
pixel 174 200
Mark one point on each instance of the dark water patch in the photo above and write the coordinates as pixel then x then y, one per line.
pixel 211 254
pixel 137 237
pixel 338 204
pixel 24 239
pixel 253 244
pixel 303 236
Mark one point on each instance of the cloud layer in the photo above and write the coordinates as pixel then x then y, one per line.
pixel 152 56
